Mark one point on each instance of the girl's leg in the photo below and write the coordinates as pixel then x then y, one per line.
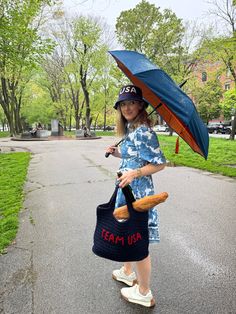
pixel 128 268
pixel 144 274
pixel 125 274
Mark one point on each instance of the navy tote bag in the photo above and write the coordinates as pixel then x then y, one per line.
pixel 125 241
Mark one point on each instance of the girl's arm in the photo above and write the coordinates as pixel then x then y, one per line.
pixel 128 176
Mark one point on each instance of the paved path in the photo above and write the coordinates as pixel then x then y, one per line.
pixel 51 269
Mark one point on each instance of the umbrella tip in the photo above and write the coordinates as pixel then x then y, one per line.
pixel 183 83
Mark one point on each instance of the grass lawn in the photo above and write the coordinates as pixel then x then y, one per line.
pixel 13 170
pixel 221 157
pixel 98 133
pixel 4 134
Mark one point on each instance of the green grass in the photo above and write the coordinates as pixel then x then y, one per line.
pixel 98 133
pixel 13 170
pixel 105 133
pixel 4 134
pixel 222 153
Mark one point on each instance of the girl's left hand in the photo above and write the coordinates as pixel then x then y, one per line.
pixel 126 178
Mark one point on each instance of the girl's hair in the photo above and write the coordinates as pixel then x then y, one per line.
pixel 121 122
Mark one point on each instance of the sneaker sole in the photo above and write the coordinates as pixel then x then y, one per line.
pixel 128 283
pixel 146 304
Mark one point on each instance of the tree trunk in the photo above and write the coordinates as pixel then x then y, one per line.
pixel 105 117
pixel 95 122
pixel 171 131
pixel 83 82
pixel 77 120
pixel 87 104
pixel 232 134
pixel 79 115
pixel 17 119
pixel 70 117
pixel 11 105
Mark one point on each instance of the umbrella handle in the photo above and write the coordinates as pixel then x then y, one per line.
pixel 108 154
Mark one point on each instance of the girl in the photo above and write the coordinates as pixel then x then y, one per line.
pixel 140 158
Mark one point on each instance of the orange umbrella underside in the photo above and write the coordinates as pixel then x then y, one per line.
pixel 170 118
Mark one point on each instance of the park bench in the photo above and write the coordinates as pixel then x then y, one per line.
pixel 79 133
pixel 37 134
pixel 26 134
pixel 42 133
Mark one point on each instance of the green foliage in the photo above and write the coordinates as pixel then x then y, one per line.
pixel 20 50
pixel 73 76
pixel 37 104
pixel 20 43
pixel 90 52
pixel 13 170
pixel 219 49
pixel 4 134
pixel 207 98
pixel 228 104
pixel 217 162
pixel 160 37
pixel 3 120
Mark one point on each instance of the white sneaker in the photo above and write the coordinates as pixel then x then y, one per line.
pixel 119 275
pixel 134 296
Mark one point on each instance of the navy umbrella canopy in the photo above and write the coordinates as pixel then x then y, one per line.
pixel 169 100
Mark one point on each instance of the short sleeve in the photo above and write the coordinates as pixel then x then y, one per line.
pixel 147 144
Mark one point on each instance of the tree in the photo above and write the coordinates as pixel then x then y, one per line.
pixel 158 40
pixel 37 105
pixel 56 83
pixel 105 90
pixel 20 49
pixel 225 11
pixel 90 55
pixel 228 104
pixel 78 59
pixel 3 120
pixel 164 39
pixel 223 48
pixel 207 98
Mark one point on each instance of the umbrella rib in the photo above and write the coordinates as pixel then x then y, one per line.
pixel 160 104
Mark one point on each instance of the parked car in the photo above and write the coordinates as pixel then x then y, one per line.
pixel 161 128
pixel 219 128
pixel 228 129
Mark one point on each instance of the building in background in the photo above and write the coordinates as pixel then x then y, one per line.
pixel 204 71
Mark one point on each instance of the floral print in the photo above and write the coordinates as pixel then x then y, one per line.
pixel 139 148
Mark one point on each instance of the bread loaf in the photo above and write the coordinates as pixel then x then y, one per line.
pixel 142 204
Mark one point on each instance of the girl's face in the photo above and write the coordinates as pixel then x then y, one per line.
pixel 130 109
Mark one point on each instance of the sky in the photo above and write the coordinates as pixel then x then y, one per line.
pixel 111 9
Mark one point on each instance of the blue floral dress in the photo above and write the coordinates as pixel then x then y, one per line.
pixel 139 148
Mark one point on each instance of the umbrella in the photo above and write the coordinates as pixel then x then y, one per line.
pixel 169 100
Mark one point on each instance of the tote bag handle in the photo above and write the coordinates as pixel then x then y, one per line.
pixel 127 191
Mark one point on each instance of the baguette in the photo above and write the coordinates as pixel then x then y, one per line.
pixel 141 205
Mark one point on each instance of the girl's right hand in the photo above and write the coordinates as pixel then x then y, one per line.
pixel 113 150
